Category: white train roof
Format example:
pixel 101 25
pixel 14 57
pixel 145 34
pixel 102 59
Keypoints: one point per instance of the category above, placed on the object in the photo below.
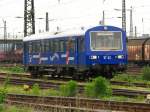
pixel 49 35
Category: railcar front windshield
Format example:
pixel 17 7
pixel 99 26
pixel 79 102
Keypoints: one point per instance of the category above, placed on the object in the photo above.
pixel 106 40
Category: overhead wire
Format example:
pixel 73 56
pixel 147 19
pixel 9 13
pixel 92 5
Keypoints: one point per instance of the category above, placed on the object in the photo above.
pixel 60 4
pixel 6 3
pixel 58 19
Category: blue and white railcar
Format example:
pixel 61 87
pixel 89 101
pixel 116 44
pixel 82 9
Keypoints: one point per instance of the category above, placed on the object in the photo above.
pixel 97 50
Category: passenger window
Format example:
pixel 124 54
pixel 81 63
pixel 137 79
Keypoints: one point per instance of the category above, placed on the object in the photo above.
pixel 51 45
pixel 30 47
pixel 61 49
pixel 71 45
pixel 38 46
pixel 56 46
pixel 35 47
pixel 46 46
pixel 42 46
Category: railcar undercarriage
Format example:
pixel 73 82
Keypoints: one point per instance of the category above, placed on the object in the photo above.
pixel 78 73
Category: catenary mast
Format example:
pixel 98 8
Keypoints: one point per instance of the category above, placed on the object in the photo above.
pixel 29 17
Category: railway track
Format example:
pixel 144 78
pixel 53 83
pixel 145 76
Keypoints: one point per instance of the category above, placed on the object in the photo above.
pixel 27 76
pixel 123 83
pixel 72 103
pixel 15 75
pixel 131 69
pixel 56 85
pixel 130 93
pixel 134 70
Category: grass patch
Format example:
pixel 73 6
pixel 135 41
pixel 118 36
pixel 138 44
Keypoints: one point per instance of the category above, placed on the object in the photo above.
pixel 130 88
pixel 146 73
pixel 15 69
pixel 98 88
pixel 130 79
pixel 3 90
pixel 6 108
pixel 36 89
pixel 138 99
pixel 143 78
pixel 53 92
pixel 127 78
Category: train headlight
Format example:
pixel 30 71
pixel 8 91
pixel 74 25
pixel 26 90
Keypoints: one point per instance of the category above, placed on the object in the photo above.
pixel 120 56
pixel 93 57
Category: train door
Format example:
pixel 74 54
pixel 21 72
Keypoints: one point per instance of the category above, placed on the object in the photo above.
pixel 28 53
pixel 81 50
pixel 57 54
pixel 71 51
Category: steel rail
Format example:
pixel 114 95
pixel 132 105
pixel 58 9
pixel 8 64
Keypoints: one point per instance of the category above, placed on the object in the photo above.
pixel 79 103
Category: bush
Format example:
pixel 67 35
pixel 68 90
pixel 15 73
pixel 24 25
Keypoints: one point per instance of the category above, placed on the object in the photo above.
pixel 69 90
pixel 36 89
pixel 146 73
pixel 99 87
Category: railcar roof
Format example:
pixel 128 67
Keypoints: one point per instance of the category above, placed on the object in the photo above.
pixel 137 41
pixel 49 35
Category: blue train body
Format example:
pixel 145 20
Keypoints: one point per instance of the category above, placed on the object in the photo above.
pixel 97 50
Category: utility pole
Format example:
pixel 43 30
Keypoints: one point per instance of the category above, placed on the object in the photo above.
pixel 103 17
pixel 5 36
pixel 143 24
pixel 135 32
pixel 124 15
pixel 47 22
pixel 103 20
pixel 131 23
pixel 29 17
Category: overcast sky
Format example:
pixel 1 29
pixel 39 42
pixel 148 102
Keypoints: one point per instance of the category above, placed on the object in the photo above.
pixel 71 14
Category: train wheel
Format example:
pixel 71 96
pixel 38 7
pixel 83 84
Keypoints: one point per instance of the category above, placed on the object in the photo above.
pixel 34 75
pixel 75 77
pixel 53 74
pixel 109 74
pixel 88 75
pixel 34 72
